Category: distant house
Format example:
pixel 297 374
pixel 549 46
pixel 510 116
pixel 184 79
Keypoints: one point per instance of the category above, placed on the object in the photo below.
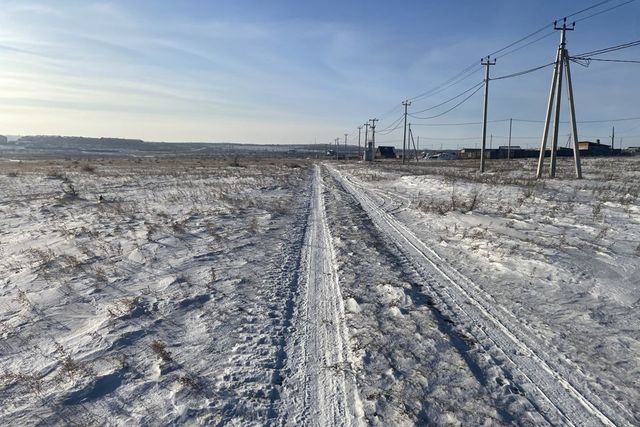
pixel 383 152
pixel 470 153
pixel 588 148
pixel 516 152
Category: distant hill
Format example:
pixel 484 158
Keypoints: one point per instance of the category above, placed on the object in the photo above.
pixel 56 146
pixel 72 143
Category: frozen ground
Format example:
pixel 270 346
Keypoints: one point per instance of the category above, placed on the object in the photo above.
pixel 204 292
pixel 168 301
pixel 542 277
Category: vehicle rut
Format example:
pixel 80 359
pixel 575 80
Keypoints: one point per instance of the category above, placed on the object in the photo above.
pixel 321 389
pixel 554 385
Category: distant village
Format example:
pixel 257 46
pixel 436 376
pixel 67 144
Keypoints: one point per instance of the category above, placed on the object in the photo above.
pixel 587 148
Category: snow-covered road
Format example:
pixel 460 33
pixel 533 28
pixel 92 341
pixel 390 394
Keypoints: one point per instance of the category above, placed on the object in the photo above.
pixel 291 293
pixel 321 390
pixel 556 386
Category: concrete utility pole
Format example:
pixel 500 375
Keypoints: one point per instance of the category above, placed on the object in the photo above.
pixel 415 150
pixel 345 145
pixel 561 64
pixel 509 146
pixel 373 138
pixel 487 63
pixel 404 140
pixel 337 141
pixel 366 139
pixel 613 137
pixel 359 131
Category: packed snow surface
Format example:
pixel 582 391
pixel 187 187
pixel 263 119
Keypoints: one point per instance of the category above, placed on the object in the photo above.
pixel 198 291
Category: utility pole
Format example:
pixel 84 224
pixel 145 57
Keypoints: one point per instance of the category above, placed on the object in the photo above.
pixel 345 146
pixel 359 131
pixel 404 140
pixel 509 146
pixel 487 63
pixel 366 139
pixel 613 137
pixel 561 64
pixel 415 150
pixel 373 138
pixel 337 141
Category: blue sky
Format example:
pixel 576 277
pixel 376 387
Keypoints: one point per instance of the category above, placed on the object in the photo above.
pixel 295 71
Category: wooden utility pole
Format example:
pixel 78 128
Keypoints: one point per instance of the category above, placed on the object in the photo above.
pixel 404 140
pixel 487 63
pixel 561 64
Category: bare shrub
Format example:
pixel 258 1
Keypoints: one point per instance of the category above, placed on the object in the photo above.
pixel 69 191
pixel 88 168
pixel 189 382
pixel 31 382
pixel 44 258
pixel 160 349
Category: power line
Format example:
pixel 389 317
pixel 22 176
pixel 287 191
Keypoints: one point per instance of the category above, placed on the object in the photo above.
pixel 522 121
pixel 608 49
pixel 391 111
pixel 588 60
pixel 520 40
pixel 389 130
pixel 450 109
pixel 458 124
pixel 589 8
pixel 582 121
pixel 474 65
pixel 605 10
pixel 462 75
pixel 526 45
pixel 473 68
pixel 521 73
pixel 449 100
pixel 392 125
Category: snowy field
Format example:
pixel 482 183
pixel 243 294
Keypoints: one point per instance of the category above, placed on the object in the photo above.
pixel 205 292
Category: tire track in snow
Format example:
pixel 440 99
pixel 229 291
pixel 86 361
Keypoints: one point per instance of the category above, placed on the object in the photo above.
pixel 321 389
pixel 551 383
